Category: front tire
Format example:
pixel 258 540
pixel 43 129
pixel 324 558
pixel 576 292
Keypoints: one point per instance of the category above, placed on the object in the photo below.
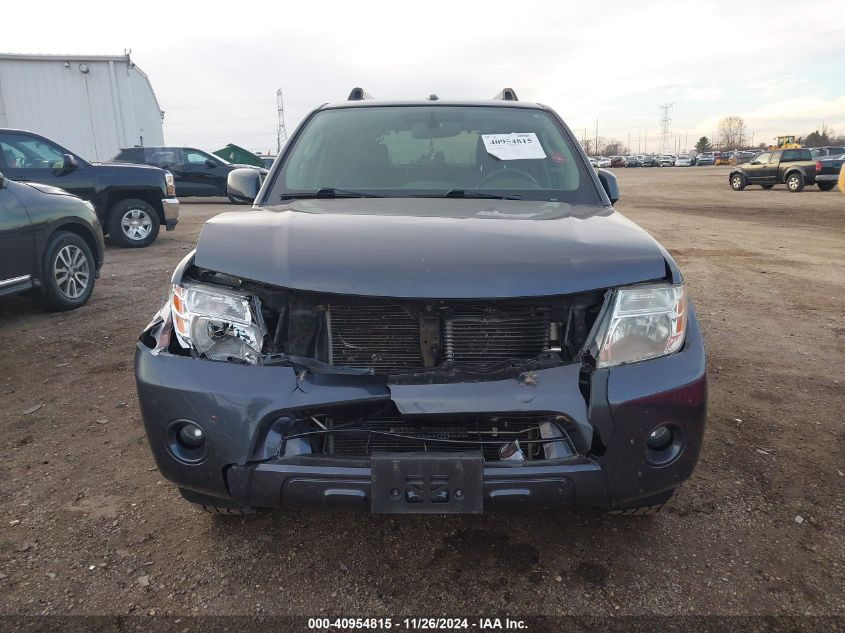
pixel 795 182
pixel 643 507
pixel 67 272
pixel 215 505
pixel 826 186
pixel 133 223
pixel 738 182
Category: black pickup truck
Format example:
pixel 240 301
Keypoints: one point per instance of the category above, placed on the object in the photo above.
pixel 132 201
pixel 793 167
pixel 827 171
pixel 197 173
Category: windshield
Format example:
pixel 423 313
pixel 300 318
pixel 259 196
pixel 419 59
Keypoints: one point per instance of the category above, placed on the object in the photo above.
pixel 432 151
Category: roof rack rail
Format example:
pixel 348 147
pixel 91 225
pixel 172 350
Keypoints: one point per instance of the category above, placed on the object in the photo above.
pixel 507 94
pixel 359 94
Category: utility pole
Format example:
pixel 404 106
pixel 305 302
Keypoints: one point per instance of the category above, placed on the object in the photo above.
pixel 629 140
pixel 645 142
pixel 665 120
pixel 596 146
pixel 281 132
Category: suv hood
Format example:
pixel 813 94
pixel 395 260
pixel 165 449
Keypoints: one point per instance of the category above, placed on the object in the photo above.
pixel 436 248
pixel 48 189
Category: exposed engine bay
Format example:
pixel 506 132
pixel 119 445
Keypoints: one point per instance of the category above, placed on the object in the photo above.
pixel 397 337
pixel 355 431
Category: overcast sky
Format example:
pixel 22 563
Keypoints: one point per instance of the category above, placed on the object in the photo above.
pixel 215 67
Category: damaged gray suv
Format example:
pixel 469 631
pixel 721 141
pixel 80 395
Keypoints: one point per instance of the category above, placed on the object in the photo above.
pixel 432 307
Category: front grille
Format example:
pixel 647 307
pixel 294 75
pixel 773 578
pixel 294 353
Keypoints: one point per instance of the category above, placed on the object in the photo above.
pixel 480 336
pixel 386 338
pixel 382 337
pixel 423 437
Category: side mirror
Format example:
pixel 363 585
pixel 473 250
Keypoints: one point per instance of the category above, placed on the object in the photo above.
pixel 69 162
pixel 210 163
pixel 243 184
pixel 608 181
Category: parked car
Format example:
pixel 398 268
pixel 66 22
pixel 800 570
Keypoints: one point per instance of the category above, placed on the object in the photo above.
pixel 51 243
pixel 745 156
pixel 197 173
pixel 724 158
pixel 602 161
pixel 794 167
pixel 822 152
pixel 648 160
pixel 633 161
pixel 132 201
pixel 617 161
pixel 666 160
pixel 705 158
pixel 593 161
pixel 351 341
pixel 267 160
pixel 828 170
pixel 684 160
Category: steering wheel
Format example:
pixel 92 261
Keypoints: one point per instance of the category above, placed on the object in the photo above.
pixel 518 173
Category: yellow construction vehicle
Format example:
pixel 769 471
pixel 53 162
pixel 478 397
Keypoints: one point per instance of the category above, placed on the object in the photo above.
pixel 786 142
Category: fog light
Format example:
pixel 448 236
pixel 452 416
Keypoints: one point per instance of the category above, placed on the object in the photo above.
pixel 191 436
pixel 660 438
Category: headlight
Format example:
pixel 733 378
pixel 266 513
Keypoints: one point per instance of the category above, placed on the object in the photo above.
pixel 217 323
pixel 645 322
pixel 169 184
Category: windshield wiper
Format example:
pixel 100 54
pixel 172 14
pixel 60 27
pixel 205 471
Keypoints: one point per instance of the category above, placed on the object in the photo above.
pixel 328 192
pixel 466 193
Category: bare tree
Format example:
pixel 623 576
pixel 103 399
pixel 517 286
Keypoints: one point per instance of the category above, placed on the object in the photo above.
pixel 731 133
pixel 614 148
pixel 587 144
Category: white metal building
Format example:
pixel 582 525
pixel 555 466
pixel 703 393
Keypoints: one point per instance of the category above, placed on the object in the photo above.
pixel 91 105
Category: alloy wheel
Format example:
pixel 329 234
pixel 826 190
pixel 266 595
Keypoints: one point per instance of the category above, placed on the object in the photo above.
pixel 71 271
pixel 136 224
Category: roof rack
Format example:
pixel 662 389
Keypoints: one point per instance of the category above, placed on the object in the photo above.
pixel 507 94
pixel 359 94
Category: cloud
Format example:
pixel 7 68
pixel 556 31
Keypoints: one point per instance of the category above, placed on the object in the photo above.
pixel 709 93
pixel 612 61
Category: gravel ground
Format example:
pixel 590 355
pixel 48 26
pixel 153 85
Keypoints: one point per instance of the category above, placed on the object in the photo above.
pixel 89 526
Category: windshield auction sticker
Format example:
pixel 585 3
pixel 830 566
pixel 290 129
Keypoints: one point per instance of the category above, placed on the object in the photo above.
pixel 513 146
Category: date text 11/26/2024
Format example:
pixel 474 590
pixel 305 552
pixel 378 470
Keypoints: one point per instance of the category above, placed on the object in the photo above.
pixel 417 624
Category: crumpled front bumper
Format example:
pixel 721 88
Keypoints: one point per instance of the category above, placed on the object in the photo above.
pixel 239 408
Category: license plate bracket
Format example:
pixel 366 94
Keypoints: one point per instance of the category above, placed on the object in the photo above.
pixel 427 483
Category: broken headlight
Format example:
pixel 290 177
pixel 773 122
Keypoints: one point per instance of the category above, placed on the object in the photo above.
pixel 218 324
pixel 645 322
